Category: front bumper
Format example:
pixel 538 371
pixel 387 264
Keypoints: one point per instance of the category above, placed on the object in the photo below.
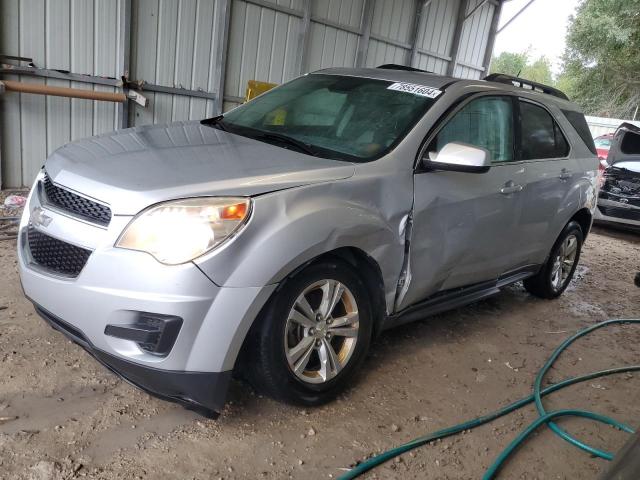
pixel 201 391
pixel 117 287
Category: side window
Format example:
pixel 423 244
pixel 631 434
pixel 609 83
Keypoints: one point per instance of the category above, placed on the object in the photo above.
pixel 486 122
pixel 541 135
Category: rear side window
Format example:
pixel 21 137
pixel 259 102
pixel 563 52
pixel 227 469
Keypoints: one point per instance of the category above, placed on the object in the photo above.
pixel 541 136
pixel 577 120
pixel 486 122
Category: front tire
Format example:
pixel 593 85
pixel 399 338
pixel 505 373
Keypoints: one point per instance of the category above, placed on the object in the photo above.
pixel 557 272
pixel 312 336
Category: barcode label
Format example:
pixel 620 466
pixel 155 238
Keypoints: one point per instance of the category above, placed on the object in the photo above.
pixel 414 89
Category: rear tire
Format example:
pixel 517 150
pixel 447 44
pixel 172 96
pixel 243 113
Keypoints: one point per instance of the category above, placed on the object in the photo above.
pixel 556 274
pixel 312 336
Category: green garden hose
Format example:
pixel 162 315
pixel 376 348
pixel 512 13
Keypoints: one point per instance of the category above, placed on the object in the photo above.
pixel 536 397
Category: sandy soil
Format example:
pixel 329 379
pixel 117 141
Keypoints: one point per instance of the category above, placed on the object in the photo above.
pixel 75 419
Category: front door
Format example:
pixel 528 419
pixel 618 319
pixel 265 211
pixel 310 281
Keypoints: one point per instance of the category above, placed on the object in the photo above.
pixel 465 224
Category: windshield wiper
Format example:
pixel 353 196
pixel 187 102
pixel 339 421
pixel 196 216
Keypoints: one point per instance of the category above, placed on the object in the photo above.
pixel 215 122
pixel 303 147
pixel 261 134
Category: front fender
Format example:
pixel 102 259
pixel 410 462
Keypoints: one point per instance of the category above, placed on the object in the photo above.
pixel 291 227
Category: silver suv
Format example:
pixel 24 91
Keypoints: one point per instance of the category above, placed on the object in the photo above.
pixel 278 240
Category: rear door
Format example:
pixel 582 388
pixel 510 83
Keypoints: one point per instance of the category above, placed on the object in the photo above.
pixel 551 173
pixel 464 223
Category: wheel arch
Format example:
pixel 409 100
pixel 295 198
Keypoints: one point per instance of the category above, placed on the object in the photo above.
pixel 584 219
pixel 369 272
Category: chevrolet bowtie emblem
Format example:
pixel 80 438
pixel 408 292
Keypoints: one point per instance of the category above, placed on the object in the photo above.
pixel 39 218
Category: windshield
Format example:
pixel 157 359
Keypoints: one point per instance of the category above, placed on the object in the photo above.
pixel 331 116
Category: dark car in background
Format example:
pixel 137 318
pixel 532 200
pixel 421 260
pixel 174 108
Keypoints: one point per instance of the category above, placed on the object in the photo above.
pixel 619 197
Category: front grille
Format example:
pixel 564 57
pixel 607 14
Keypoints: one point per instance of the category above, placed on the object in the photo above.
pixel 618 212
pixel 56 255
pixel 76 204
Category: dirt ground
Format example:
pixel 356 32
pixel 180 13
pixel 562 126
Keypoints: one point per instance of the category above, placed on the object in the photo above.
pixel 75 419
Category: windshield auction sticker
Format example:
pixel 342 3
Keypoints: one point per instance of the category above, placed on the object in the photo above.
pixel 415 89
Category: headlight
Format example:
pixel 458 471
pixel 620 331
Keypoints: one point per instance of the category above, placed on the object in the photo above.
pixel 178 231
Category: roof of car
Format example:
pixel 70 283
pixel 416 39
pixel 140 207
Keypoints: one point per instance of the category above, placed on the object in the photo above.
pixel 439 81
pixel 417 77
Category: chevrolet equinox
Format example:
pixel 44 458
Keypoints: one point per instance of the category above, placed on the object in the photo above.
pixel 278 240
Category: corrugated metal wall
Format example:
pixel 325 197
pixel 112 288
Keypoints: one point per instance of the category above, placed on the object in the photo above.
pixel 75 35
pixel 173 43
pixel 331 46
pixel 473 40
pixel 179 43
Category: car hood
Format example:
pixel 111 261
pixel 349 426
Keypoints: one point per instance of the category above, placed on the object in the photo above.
pixel 625 146
pixel 133 168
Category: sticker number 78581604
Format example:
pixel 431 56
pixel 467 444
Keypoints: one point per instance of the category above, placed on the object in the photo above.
pixel 414 89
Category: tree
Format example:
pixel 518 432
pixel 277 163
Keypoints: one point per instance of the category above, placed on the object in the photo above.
pixel 539 71
pixel 509 63
pixel 601 62
pixel 520 65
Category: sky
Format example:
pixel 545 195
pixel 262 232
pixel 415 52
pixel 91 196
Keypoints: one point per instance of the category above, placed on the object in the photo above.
pixel 542 27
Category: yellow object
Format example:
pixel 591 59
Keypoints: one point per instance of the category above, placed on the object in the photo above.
pixel 276 117
pixel 255 88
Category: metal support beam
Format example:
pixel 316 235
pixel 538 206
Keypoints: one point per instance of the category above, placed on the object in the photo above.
pixel 222 19
pixel 112 82
pixel 418 9
pixel 304 32
pixel 476 8
pixel 124 53
pixel 276 7
pixel 491 40
pixel 59 74
pixel 336 25
pixel 365 32
pixel 516 15
pixel 457 33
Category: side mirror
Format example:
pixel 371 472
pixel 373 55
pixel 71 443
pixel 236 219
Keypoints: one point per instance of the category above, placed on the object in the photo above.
pixel 459 157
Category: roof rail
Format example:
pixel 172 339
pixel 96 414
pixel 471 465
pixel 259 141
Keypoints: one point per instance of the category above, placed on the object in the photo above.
pixel 395 66
pixel 525 84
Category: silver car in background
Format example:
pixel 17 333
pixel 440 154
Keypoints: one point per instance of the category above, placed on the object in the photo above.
pixel 275 242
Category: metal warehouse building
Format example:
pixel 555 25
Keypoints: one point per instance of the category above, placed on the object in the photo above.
pixel 196 56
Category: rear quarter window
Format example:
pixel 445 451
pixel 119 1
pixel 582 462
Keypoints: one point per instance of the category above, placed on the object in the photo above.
pixel 579 123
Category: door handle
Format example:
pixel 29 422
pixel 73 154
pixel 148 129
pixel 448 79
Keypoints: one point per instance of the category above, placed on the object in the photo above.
pixel 564 174
pixel 510 188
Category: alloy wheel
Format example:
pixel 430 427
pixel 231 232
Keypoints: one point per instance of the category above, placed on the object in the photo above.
pixel 564 262
pixel 321 331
